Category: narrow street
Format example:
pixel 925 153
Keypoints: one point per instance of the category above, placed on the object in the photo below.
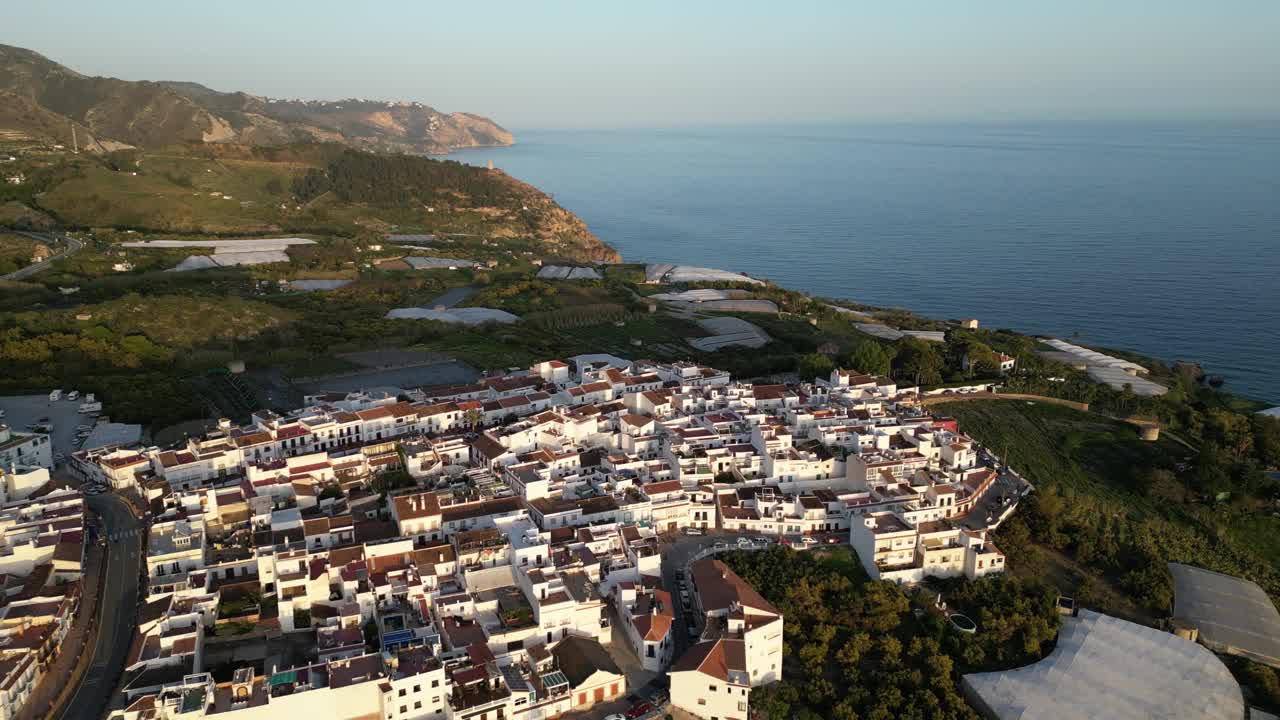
pixel 117 611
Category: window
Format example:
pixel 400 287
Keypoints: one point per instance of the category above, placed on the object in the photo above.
pixel 435 683
pixel 712 688
pixel 403 709
pixel 402 692
pixel 702 701
pixel 417 705
pixel 417 688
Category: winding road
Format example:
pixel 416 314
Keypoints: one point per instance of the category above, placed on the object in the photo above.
pixel 117 610
pixel 72 246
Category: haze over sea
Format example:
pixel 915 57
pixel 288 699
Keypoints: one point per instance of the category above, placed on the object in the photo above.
pixel 1163 239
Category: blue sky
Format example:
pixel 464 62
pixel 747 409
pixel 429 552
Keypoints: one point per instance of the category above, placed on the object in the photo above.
pixel 657 63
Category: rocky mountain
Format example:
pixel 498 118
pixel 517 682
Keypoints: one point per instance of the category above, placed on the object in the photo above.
pixel 44 99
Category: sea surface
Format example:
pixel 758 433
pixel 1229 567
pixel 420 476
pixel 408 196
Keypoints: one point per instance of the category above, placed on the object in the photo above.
pixel 1163 239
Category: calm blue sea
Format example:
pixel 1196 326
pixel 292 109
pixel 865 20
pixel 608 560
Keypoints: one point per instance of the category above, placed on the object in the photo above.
pixel 1162 239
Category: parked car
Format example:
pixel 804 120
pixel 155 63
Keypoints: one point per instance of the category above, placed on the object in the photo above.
pixel 806 540
pixel 760 540
pixel 692 531
pixel 833 539
pixel 640 710
pixel 73 395
pixel 744 542
pixel 615 716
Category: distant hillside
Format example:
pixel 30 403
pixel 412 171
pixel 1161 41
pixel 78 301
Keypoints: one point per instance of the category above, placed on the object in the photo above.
pixel 43 99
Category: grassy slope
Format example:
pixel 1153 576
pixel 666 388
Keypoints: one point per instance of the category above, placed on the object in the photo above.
pixel 1054 446
pixel 173 193
pixel 1077 453
pixel 174 321
pixel 15 252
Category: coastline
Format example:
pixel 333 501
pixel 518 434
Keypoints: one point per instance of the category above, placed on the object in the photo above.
pixel 1260 405
pixel 923 218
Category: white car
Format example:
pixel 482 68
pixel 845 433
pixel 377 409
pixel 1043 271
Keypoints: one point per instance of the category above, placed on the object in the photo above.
pixel 806 540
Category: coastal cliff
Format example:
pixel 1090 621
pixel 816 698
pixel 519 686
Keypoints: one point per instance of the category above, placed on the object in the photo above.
pixel 563 233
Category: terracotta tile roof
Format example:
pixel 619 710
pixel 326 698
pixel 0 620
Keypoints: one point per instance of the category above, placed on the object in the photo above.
pixel 377 413
pixel 719 587
pixel 419 505
pixel 715 658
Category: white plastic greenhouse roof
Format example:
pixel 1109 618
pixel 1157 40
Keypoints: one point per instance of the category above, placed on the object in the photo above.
pixel 1105 667
pixel 1232 615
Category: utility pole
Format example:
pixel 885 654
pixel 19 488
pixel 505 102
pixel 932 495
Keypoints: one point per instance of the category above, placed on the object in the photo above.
pixel 75 142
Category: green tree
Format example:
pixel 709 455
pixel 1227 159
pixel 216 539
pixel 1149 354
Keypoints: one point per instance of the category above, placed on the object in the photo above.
pixel 918 361
pixel 814 365
pixel 870 357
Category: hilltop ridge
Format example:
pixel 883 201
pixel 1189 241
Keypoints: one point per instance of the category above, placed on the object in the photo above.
pixel 45 100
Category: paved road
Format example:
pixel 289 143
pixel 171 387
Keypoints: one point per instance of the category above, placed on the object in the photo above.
pixel 117 610
pixel 52 240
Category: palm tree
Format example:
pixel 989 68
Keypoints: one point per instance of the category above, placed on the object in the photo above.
pixel 473 417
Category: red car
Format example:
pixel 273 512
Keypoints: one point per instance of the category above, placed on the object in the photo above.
pixel 639 710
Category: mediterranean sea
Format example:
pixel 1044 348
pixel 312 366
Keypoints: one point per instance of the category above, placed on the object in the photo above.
pixel 1162 239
